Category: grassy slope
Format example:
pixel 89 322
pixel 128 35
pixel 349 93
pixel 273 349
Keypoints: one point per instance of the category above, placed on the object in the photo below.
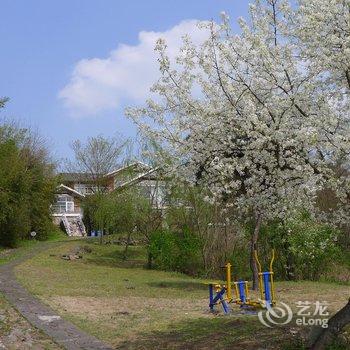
pixel 25 246
pixel 15 331
pixel 134 308
pixel 8 254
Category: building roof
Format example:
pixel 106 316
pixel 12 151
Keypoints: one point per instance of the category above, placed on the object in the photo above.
pixel 79 177
pixel 142 172
pixel 138 166
pixel 65 189
pixel 76 177
pixel 136 179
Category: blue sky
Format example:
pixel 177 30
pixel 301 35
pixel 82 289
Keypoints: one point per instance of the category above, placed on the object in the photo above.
pixel 71 66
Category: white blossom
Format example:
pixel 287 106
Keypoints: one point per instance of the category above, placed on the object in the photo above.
pixel 259 118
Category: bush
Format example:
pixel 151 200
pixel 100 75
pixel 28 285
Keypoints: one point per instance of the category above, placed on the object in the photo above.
pixel 163 250
pixel 13 192
pixel 189 257
pixel 239 260
pixel 27 186
pixel 176 251
pixel 304 247
pixel 313 247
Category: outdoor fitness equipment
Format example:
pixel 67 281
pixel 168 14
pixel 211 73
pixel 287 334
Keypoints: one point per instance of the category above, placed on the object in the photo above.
pixel 222 293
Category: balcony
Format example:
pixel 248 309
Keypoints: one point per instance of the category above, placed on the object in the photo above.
pixel 64 208
pixel 89 189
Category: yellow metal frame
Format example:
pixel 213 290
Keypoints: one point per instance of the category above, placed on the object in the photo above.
pixel 273 300
pixel 237 300
pixel 259 274
pixel 228 281
pixel 229 285
pixel 272 278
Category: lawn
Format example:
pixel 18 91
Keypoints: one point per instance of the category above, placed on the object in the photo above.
pixel 26 246
pixel 130 307
pixel 8 254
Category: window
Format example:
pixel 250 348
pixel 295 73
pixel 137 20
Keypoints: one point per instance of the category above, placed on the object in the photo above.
pixel 154 191
pixel 86 188
pixel 64 204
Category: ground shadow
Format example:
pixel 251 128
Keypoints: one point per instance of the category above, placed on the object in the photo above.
pixel 115 258
pixel 182 285
pixel 219 333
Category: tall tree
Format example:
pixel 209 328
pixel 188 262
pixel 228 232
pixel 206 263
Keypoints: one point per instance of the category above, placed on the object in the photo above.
pixel 323 33
pixel 252 117
pixel 97 157
pixel 27 186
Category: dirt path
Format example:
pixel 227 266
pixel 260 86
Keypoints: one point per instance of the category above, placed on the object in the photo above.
pixel 41 316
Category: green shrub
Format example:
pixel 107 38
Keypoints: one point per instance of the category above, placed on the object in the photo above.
pixel 176 251
pixel 164 250
pixel 304 247
pixel 189 257
pixel 27 186
pixel 313 247
pixel 14 188
pixel 239 260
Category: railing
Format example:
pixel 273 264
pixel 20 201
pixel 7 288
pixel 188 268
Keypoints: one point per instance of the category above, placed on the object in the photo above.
pixel 66 225
pixel 89 189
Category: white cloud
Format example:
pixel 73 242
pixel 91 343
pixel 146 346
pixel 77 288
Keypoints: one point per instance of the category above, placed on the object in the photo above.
pixel 100 84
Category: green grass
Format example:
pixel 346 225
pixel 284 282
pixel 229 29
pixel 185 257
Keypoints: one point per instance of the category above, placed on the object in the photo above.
pixel 105 274
pixel 8 254
pixel 25 246
pixel 131 307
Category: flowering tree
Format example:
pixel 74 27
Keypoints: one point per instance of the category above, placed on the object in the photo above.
pixel 258 117
pixel 324 39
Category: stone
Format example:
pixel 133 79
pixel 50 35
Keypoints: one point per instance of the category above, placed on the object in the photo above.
pixel 47 318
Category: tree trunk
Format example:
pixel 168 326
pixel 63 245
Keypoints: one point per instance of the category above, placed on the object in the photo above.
pixel 125 254
pixel 335 325
pixel 149 260
pixel 290 267
pixel 101 236
pixel 290 275
pixel 253 242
